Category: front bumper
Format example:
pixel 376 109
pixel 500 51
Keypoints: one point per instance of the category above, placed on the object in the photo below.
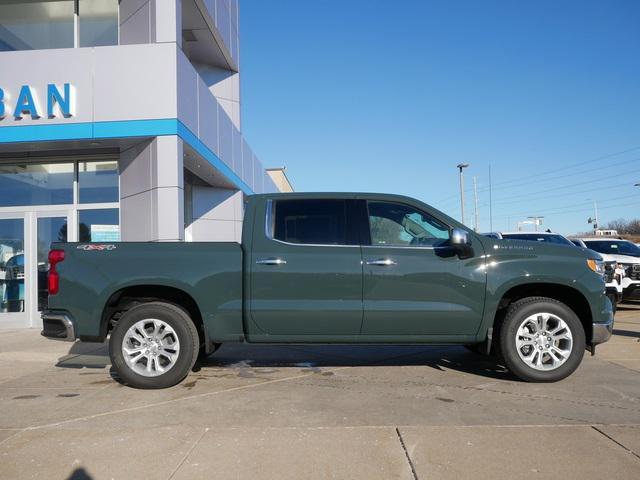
pixel 601 332
pixel 612 292
pixel 631 289
pixel 58 325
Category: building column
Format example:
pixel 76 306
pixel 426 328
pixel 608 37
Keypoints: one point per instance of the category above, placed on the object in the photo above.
pixel 150 21
pixel 217 214
pixel 152 191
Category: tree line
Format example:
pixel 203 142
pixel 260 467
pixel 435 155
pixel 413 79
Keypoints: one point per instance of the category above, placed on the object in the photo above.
pixel 625 227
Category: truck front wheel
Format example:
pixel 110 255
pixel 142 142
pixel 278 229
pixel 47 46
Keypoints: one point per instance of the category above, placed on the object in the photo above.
pixel 541 339
pixel 153 345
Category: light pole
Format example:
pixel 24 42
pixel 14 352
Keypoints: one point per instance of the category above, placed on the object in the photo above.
pixel 475 199
pixel 594 220
pixel 462 166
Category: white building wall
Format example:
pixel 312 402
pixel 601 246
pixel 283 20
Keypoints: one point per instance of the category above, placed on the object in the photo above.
pixel 152 191
pixel 148 77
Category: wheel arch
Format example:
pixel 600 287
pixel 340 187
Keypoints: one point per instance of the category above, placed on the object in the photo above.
pixel 570 296
pixel 127 297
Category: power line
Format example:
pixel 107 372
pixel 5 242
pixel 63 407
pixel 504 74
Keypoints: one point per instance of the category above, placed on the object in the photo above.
pixel 485 189
pixel 539 193
pixel 564 208
pixel 567 167
pixel 573 165
pixel 572 174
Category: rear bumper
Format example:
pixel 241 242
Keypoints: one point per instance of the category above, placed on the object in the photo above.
pixel 58 325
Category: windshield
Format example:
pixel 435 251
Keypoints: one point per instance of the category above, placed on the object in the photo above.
pixel 615 247
pixel 536 237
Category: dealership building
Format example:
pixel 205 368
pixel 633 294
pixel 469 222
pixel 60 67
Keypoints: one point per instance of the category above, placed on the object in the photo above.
pixel 119 120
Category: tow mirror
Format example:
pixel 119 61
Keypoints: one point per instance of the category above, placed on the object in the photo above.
pixel 461 242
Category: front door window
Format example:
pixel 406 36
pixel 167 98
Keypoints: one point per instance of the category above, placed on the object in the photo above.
pixel 394 224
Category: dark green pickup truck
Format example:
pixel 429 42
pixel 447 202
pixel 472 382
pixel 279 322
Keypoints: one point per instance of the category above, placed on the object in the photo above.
pixel 330 268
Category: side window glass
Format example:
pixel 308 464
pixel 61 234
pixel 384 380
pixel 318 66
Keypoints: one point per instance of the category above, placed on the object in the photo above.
pixel 400 225
pixel 319 222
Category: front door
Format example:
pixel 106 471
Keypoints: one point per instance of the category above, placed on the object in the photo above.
pixel 306 272
pixel 413 283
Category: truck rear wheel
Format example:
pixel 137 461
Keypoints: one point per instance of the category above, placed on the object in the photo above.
pixel 153 345
pixel 541 340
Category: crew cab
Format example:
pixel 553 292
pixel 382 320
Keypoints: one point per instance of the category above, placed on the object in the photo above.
pixel 330 268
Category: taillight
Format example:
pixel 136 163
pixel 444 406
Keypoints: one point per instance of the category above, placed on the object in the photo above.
pixel 55 257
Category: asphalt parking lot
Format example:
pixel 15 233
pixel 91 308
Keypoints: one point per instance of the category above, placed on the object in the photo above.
pixel 319 412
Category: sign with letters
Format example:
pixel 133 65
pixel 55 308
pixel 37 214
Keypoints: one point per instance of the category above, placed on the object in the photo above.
pixel 105 233
pixel 54 101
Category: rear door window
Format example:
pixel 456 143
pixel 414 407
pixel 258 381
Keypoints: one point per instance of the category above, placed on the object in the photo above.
pixel 312 222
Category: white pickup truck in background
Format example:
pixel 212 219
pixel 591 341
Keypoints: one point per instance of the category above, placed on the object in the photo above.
pixel 626 256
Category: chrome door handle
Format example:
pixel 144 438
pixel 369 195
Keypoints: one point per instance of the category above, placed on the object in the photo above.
pixel 382 262
pixel 271 261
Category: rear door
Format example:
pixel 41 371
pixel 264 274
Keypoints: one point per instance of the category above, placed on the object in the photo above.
pixel 306 271
pixel 413 283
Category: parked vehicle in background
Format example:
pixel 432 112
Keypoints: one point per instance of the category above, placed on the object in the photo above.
pixel 606 233
pixel 613 280
pixel 626 256
pixel 330 268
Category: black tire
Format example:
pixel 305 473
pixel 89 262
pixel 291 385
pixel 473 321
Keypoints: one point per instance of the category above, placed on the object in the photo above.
pixel 183 327
pixel 516 314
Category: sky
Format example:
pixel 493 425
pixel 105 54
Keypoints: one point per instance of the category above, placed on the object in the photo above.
pixel 389 96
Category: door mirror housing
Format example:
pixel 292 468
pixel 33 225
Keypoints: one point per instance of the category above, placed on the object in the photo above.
pixel 461 243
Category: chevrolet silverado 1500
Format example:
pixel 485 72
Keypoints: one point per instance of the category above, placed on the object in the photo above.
pixel 330 268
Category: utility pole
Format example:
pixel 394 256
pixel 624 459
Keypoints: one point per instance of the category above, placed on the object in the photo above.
pixel 596 225
pixel 462 166
pixel 490 202
pixel 475 195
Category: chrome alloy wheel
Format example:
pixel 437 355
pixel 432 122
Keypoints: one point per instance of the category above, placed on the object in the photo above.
pixel 150 347
pixel 544 341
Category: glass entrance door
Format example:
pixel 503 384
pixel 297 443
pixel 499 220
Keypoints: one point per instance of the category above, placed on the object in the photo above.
pixel 25 241
pixel 49 230
pixel 13 305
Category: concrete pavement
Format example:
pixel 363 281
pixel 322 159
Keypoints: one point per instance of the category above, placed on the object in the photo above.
pixel 319 412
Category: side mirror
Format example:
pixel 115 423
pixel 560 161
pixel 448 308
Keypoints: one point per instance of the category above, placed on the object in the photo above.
pixel 461 242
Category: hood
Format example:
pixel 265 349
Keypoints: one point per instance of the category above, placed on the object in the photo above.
pixel 520 247
pixel 627 259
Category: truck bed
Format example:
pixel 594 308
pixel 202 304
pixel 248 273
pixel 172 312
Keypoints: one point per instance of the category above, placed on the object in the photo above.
pixel 93 275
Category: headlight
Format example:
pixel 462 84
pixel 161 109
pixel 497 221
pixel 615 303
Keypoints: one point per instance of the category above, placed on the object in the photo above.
pixel 596 265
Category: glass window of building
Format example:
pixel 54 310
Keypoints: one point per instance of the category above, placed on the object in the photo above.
pixel 99 225
pixel 11 265
pixel 98 181
pixel 36 184
pixel 50 230
pixel 98 22
pixel 34 25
